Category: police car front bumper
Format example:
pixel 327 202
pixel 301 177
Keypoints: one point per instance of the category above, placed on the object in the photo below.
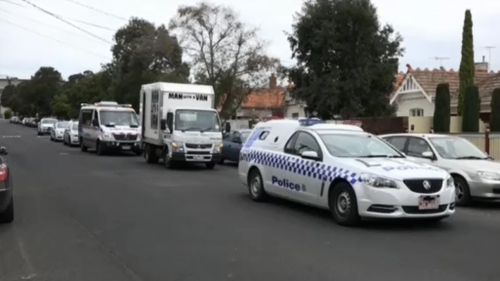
pixel 403 203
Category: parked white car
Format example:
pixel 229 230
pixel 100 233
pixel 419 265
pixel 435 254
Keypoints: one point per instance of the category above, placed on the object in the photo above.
pixel 71 136
pixel 46 125
pixel 57 133
pixel 475 174
pixel 341 168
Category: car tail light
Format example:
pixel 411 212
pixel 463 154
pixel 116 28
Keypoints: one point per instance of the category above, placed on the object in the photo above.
pixel 4 173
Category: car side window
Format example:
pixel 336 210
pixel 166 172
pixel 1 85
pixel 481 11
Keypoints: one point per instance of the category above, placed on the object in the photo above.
pixel 417 146
pixel 398 142
pixel 289 147
pixel 306 142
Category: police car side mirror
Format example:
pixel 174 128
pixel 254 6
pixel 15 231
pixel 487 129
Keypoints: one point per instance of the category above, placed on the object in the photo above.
pixel 312 155
pixel 429 155
pixel 3 150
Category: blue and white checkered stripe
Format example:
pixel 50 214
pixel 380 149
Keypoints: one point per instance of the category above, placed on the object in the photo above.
pixel 299 166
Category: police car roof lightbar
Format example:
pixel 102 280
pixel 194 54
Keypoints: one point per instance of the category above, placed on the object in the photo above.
pixel 310 121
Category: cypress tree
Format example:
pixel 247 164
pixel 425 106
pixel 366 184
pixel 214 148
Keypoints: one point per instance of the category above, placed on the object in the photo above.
pixel 467 61
pixel 470 121
pixel 441 121
pixel 495 111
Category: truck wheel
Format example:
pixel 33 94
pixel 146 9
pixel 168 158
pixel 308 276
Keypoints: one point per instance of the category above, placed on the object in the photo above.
pixel 8 215
pixel 150 154
pixel 462 192
pixel 99 148
pixel 168 162
pixel 210 165
pixel 83 148
pixel 343 204
pixel 256 186
pixel 221 161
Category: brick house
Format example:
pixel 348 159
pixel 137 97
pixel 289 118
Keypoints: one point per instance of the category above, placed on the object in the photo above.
pixel 415 90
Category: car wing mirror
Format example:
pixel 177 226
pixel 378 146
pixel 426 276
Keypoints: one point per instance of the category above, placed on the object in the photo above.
pixel 95 123
pixel 312 155
pixel 236 140
pixel 428 155
pixel 3 150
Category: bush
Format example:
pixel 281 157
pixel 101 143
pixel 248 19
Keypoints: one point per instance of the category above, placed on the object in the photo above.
pixel 470 120
pixel 441 121
pixel 495 111
pixel 7 114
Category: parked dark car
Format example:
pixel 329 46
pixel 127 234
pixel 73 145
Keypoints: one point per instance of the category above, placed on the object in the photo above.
pixel 232 145
pixel 6 198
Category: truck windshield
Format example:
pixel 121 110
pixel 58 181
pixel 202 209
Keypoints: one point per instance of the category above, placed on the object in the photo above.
pixel 197 120
pixel 118 118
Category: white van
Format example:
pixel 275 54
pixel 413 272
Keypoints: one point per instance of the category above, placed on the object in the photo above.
pixel 108 126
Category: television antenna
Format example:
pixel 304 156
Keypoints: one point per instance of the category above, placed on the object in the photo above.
pixel 440 60
pixel 489 48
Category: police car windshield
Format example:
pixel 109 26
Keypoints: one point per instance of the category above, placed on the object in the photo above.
pixel 358 145
pixel 118 118
pixel 196 120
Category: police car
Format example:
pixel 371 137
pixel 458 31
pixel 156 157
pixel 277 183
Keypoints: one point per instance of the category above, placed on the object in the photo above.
pixel 342 168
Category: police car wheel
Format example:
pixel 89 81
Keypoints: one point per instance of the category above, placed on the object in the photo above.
pixel 462 192
pixel 255 186
pixel 343 204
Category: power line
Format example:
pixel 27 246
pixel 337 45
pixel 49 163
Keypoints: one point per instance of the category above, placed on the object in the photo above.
pixel 52 38
pixel 92 24
pixel 13 3
pixel 67 22
pixel 97 10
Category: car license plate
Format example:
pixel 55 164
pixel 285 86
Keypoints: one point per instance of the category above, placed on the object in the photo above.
pixel 126 147
pixel 198 157
pixel 428 202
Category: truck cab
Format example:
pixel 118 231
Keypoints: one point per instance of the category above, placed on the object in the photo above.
pixel 180 124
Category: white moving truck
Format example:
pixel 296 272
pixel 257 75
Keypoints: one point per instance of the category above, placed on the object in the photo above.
pixel 180 124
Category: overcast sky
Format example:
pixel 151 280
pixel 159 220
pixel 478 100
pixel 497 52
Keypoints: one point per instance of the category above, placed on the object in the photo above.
pixel 30 38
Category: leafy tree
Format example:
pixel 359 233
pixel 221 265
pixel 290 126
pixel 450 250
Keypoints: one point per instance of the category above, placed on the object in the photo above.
pixel 7 114
pixel 7 97
pixel 224 52
pixel 495 111
pixel 61 107
pixel 41 89
pixel 441 121
pixel 470 117
pixel 467 62
pixel 346 61
pixel 142 54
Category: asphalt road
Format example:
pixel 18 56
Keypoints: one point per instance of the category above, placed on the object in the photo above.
pixel 84 217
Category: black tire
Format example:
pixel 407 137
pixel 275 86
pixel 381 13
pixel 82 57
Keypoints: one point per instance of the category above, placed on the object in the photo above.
pixel 210 165
pixel 256 186
pixel 99 149
pixel 8 215
pixel 462 191
pixel 221 161
pixel 83 148
pixel 343 204
pixel 150 155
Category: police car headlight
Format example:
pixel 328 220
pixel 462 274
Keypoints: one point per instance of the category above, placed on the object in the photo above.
pixel 450 183
pixel 489 176
pixel 378 182
pixel 177 146
pixel 107 137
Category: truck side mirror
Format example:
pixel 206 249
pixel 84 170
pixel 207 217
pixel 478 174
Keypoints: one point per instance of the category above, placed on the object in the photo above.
pixel 170 121
pixel 95 123
pixel 163 124
pixel 3 150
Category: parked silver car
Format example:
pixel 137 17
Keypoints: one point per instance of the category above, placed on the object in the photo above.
pixel 57 133
pixel 475 174
pixel 71 136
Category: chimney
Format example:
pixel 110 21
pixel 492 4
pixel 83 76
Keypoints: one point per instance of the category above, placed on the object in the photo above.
pixel 273 82
pixel 410 69
pixel 482 66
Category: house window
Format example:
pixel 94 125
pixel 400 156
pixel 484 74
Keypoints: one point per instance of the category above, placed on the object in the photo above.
pixel 416 112
pixel 295 115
